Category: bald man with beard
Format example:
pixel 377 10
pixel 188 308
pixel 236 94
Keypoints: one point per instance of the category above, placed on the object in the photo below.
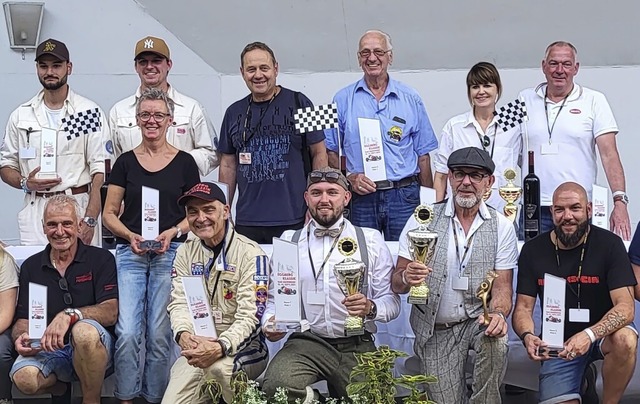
pixel 599 304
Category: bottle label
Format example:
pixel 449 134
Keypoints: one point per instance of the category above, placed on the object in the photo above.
pixel 530 210
pixel 531 225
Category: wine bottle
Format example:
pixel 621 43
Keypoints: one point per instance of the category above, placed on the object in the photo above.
pixel 108 240
pixel 531 185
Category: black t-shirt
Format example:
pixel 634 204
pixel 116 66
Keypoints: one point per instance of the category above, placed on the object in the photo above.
pixel 270 188
pixel 91 279
pixel 605 267
pixel 172 181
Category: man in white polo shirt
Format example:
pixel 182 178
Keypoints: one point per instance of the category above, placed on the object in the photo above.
pixel 566 123
pixel 190 130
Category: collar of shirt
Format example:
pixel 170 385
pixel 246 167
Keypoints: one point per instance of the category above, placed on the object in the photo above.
pixel 472 121
pixel 541 91
pixel 314 225
pixel 37 101
pixel 483 212
pixel 79 257
pixel 391 88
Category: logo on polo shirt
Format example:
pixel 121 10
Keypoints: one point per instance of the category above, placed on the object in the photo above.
pixel 575 111
pixel 88 277
pixel 197 268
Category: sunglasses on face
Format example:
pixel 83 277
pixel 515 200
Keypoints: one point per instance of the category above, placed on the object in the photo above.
pixel 317 176
pixel 64 286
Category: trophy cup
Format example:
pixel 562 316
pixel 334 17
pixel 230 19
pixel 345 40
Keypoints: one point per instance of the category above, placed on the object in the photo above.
pixel 484 293
pixel 349 275
pixel 510 193
pixel 422 244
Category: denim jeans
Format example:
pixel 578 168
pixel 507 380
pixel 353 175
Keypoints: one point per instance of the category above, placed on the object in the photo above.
pixel 144 287
pixel 387 211
pixel 7 356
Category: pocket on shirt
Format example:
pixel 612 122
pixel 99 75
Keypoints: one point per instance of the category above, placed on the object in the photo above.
pixel 129 135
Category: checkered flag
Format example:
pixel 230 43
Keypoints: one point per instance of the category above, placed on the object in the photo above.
pixel 512 114
pixel 82 123
pixel 320 117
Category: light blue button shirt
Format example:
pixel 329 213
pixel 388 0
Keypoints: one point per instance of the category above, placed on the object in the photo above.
pixel 399 108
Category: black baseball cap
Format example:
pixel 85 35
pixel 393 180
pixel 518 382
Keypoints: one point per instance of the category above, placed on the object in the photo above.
pixel 471 157
pixel 207 191
pixel 54 48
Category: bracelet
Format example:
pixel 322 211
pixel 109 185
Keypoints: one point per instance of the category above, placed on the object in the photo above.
pixel 404 280
pixel 524 335
pixel 591 335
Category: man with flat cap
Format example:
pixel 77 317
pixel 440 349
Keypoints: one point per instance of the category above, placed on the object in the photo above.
pixel 190 130
pixel 54 144
pixel 473 239
pixel 324 352
pixel 235 273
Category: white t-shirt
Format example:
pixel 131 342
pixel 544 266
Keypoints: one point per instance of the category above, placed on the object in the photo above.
pixel 54 116
pixel 586 114
pixel 451 308
pixel 462 131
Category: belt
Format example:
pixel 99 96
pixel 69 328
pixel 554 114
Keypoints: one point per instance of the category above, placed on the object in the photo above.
pixel 444 326
pixel 388 184
pixel 367 337
pixel 73 191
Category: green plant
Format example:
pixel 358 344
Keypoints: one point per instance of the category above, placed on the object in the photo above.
pixel 372 378
pixel 412 383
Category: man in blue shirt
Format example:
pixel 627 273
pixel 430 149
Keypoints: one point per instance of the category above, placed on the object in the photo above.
pixel 407 139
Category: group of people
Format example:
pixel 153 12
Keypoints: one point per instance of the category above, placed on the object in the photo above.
pixel 101 309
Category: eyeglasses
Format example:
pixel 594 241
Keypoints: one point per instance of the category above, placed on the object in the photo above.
pixel 330 176
pixel 365 53
pixel 474 177
pixel 64 286
pixel 146 116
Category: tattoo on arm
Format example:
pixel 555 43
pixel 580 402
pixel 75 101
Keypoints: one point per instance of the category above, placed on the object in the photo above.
pixel 611 322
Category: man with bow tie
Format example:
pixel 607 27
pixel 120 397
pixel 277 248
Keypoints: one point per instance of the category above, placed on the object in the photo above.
pixel 323 352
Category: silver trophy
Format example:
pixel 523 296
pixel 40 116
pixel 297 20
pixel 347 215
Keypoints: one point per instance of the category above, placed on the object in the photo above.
pixel 422 245
pixel 350 277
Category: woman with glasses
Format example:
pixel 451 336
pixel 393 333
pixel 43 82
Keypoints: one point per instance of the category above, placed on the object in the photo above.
pixel 479 128
pixel 149 179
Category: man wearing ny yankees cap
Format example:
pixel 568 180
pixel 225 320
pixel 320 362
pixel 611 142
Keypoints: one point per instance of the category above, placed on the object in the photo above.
pixel 190 130
pixel 235 275
pixel 54 144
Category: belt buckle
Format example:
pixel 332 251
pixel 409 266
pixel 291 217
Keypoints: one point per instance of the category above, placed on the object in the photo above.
pixel 384 185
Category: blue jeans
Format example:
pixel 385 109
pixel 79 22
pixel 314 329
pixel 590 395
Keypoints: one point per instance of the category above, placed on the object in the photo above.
pixel 144 287
pixel 60 362
pixel 7 356
pixel 560 380
pixel 387 211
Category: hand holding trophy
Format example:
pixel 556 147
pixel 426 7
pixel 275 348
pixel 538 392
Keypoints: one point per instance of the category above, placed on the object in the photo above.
pixel 484 293
pixel 350 277
pixel 510 193
pixel 422 244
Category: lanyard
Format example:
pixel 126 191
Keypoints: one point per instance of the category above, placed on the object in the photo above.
pixel 546 113
pixel 466 248
pixel 207 270
pixel 247 120
pixel 485 140
pixel 326 258
pixel 584 245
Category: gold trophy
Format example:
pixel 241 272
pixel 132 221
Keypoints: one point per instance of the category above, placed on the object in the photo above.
pixel 422 245
pixel 510 193
pixel 484 293
pixel 349 275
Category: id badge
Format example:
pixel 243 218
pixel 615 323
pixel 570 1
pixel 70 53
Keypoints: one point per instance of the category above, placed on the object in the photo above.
pixel 460 283
pixel 245 158
pixel 217 316
pixel 579 315
pixel 547 148
pixel 27 153
pixel 315 298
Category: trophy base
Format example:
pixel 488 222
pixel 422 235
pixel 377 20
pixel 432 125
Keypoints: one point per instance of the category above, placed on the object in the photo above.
pixel 352 332
pixel 47 175
pixel 353 326
pixel 417 300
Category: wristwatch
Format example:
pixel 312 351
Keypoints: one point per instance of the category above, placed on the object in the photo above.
pixel 621 196
pixel 75 314
pixel 91 222
pixel 225 349
pixel 373 312
pixel 23 185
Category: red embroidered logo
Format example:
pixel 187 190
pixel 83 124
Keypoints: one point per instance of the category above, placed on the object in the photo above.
pixel 204 188
pixel 181 131
pixel 109 287
pixel 88 277
pixel 575 111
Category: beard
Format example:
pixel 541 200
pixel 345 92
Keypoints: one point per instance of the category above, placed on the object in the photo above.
pixel 54 86
pixel 571 239
pixel 467 202
pixel 326 220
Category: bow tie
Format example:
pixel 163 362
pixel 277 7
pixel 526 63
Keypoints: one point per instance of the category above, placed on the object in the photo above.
pixel 333 233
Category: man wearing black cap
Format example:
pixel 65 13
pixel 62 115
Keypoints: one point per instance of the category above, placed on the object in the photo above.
pixel 235 272
pixel 473 239
pixel 323 352
pixel 190 131
pixel 72 164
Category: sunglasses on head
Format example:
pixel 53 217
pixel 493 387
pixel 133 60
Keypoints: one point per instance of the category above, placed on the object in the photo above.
pixel 330 176
pixel 64 286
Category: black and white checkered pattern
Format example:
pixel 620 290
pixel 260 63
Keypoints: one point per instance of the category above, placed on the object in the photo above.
pixel 319 117
pixel 82 123
pixel 512 114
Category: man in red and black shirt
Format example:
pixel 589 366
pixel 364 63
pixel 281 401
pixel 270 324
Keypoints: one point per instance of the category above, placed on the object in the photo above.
pixel 82 308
